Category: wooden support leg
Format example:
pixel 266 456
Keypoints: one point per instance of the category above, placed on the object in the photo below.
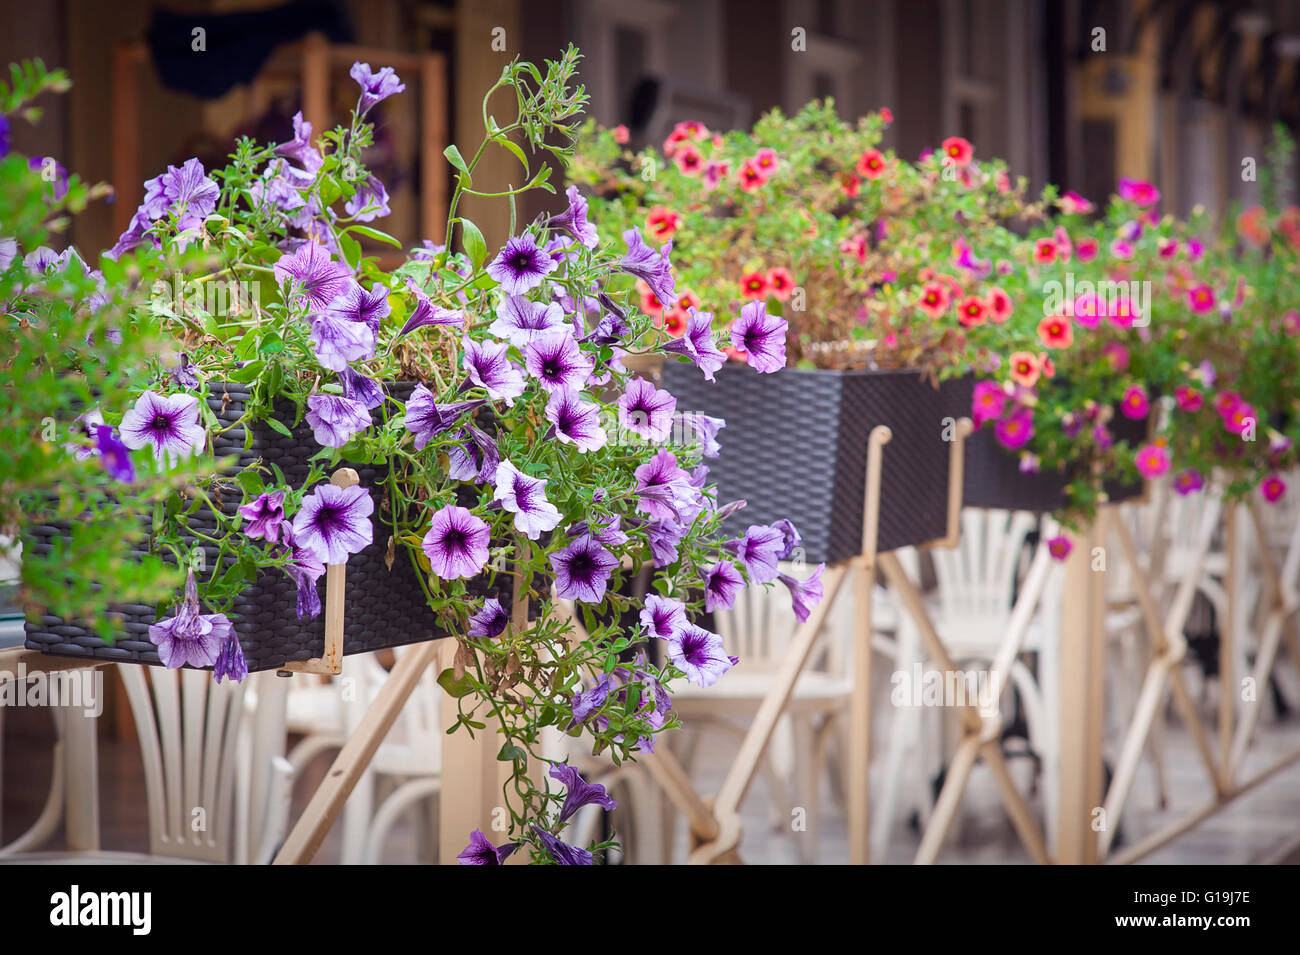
pixel 1080 724
pixel 355 756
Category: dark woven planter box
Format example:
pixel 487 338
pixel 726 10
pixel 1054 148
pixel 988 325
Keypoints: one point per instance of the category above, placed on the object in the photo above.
pixel 992 473
pixel 383 608
pixel 795 446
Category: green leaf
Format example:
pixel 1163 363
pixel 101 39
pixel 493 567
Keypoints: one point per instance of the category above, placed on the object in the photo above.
pixel 454 157
pixel 475 246
pixel 250 481
pixel 453 687
pixel 351 249
pixel 509 751
pixel 280 427
pixel 374 234
pixel 513 146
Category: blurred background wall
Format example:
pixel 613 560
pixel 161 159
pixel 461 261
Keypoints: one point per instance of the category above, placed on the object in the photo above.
pixel 1076 92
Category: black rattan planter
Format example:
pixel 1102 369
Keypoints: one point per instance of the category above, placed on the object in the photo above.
pixel 383 608
pixel 795 446
pixel 992 474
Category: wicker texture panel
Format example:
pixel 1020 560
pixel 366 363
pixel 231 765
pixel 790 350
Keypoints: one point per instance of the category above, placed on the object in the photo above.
pixel 383 608
pixel 795 446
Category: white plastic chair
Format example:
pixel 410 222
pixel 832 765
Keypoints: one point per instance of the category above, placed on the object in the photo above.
pixel 217 785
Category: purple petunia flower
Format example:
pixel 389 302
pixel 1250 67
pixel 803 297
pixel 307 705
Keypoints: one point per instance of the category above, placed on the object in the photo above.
pixel 661 487
pixel 611 536
pixel 337 341
pixel 264 515
pixel 114 455
pixel 582 570
pixel 702 430
pixel 490 621
pixel 646 410
pixel 664 538
pixel 663 617
pixel 521 265
pixel 190 637
pixel 556 361
pixel 188 191
pixel 335 419
pixel 184 374
pixel 488 452
pixel 313 273
pixel 759 551
pixel 334 522
pixel 355 304
pixel 721 585
pixel 588 701
pixel 576 422
pixel 574 219
pixel 300 148
pixel 562 852
pixel 520 320
pixel 231 663
pixel 805 594
pixel 375 87
pixel 426 419
pixel 698 345
pixel 790 538
pixel 168 423
pixel 699 654
pixel 369 202
pixel 650 266
pixel 525 497
pixel 490 369
pixel 426 313
pixel 481 852
pixel 579 792
pixel 304 569
pixel 456 543
pixel 364 391
pixel 761 337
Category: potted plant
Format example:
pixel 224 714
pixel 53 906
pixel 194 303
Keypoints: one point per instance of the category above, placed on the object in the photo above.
pixel 806 221
pixel 511 467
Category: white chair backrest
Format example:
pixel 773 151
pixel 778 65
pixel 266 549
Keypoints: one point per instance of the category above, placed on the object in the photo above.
pixel 761 624
pixel 977 578
pixel 193 741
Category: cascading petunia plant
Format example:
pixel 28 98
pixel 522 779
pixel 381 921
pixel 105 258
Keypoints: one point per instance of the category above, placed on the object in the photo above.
pixel 517 446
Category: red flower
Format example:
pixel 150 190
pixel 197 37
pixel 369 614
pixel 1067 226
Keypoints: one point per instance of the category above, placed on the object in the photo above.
pixel 958 151
pixel 972 311
pixel 650 303
pixel 780 282
pixel 850 184
pixel 1045 251
pixel 1056 331
pixel 751 176
pixel 689 160
pixel 871 164
pixel 621 135
pixel 1024 369
pixel 886 114
pixel 999 303
pixel 663 223
pixel 934 299
pixel 753 285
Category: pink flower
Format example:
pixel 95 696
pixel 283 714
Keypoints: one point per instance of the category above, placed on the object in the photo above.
pixel 1117 354
pixel 1059 547
pixel 1138 192
pixel 1189 399
pixel 1188 481
pixel 1135 403
pixel 1273 488
pixel 1015 430
pixel 1152 460
pixel 1200 298
pixel 620 134
pixel 988 402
